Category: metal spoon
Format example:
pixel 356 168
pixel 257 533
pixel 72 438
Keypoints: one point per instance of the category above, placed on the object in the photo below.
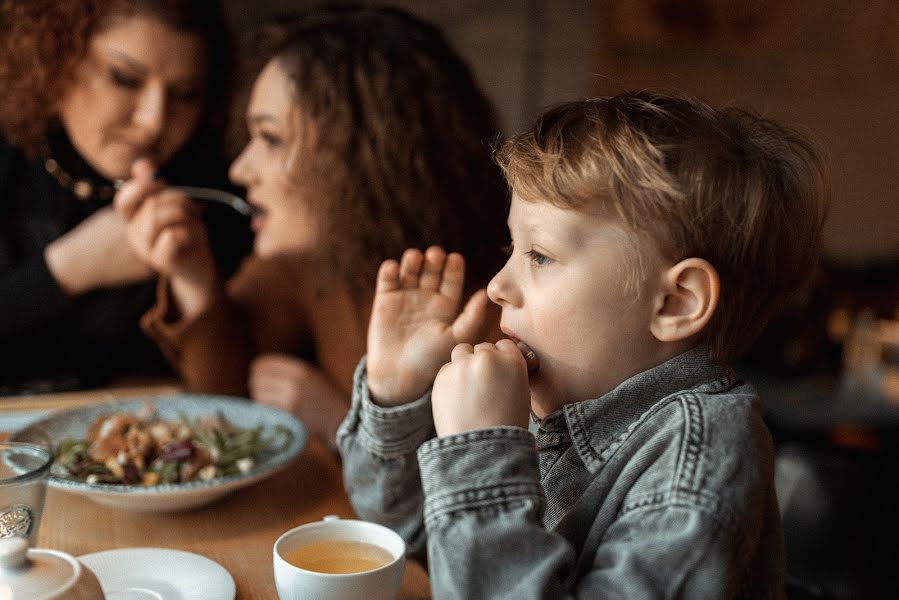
pixel 213 195
pixel 232 200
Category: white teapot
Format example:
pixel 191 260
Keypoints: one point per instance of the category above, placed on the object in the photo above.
pixel 41 574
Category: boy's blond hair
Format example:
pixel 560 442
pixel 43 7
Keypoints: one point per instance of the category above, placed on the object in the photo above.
pixel 741 191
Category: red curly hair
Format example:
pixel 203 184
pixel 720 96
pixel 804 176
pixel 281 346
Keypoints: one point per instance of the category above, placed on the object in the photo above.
pixel 43 41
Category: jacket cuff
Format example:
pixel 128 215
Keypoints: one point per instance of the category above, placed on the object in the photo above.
pixel 479 468
pixel 390 431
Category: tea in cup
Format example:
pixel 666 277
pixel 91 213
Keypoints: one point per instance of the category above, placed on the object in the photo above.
pixel 339 559
pixel 24 470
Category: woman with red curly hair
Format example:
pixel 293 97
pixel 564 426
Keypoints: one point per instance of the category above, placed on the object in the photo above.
pixel 88 87
pixel 368 135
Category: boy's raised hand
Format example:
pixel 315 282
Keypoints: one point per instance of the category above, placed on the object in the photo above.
pixel 415 323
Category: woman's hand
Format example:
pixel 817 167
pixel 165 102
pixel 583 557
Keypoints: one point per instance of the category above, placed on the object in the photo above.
pixel 300 388
pixel 484 386
pixel 415 323
pixel 164 230
pixel 95 254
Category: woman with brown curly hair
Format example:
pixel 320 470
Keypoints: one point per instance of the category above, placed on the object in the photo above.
pixel 368 134
pixel 86 88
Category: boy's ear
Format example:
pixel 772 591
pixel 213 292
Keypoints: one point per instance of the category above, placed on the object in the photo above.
pixel 687 300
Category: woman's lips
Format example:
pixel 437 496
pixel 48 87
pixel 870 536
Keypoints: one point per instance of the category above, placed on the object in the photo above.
pixel 258 222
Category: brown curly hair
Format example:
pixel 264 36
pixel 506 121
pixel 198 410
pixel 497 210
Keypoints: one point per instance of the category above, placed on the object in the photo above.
pixel 402 139
pixel 43 41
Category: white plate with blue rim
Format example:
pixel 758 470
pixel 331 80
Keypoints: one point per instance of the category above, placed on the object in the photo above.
pixel 168 497
pixel 159 574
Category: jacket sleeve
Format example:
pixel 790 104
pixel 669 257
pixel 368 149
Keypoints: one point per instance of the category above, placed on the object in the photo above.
pixel 380 469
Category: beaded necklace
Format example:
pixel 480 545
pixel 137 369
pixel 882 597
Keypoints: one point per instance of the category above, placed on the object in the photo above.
pixel 84 189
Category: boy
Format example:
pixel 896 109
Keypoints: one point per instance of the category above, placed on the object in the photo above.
pixel 653 236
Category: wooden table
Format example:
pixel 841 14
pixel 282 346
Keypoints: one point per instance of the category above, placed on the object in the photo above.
pixel 237 531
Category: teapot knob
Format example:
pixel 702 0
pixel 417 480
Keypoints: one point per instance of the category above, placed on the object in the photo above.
pixel 13 552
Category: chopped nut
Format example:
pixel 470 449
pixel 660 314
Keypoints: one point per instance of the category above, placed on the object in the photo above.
pixel 114 467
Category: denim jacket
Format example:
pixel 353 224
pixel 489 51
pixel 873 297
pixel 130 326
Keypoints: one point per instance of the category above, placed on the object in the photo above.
pixel 661 488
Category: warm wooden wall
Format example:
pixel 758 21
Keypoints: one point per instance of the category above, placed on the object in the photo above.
pixel 829 65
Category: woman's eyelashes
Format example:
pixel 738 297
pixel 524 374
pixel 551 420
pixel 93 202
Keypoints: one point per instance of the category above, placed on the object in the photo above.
pixel 122 79
pixel 265 136
pixel 271 140
pixel 184 94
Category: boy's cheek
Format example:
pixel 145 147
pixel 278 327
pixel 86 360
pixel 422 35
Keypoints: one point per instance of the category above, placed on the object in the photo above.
pixel 547 396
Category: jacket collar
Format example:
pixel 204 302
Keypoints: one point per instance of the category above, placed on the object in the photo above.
pixel 593 426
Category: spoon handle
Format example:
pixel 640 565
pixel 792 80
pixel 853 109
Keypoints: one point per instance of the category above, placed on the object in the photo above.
pixel 212 194
pixel 232 200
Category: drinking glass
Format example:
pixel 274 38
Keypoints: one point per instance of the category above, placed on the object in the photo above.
pixel 24 470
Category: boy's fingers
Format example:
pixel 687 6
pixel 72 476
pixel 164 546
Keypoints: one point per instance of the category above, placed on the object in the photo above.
pixel 388 277
pixel 410 267
pixel 460 350
pixel 470 320
pixel 517 351
pixel 507 345
pixel 453 276
pixel 433 265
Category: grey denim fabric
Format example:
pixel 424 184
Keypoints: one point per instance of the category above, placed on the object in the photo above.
pixel 661 488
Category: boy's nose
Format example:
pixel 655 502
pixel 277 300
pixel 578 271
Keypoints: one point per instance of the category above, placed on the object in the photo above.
pixel 499 289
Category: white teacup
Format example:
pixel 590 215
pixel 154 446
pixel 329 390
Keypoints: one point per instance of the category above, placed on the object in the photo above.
pixel 308 543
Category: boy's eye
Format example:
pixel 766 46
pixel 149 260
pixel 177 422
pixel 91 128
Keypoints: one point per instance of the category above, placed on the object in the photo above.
pixel 124 80
pixel 537 258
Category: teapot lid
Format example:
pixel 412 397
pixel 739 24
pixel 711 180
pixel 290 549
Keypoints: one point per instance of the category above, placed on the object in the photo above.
pixel 36 572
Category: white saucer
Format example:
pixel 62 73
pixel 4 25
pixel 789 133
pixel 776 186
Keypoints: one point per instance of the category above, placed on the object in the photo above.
pixel 159 574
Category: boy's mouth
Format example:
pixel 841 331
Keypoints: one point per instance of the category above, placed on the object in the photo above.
pixel 530 357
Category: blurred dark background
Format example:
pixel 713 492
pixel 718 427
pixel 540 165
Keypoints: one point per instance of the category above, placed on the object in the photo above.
pixel 828 369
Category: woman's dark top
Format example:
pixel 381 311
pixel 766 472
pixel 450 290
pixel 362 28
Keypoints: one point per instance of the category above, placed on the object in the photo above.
pixel 49 341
